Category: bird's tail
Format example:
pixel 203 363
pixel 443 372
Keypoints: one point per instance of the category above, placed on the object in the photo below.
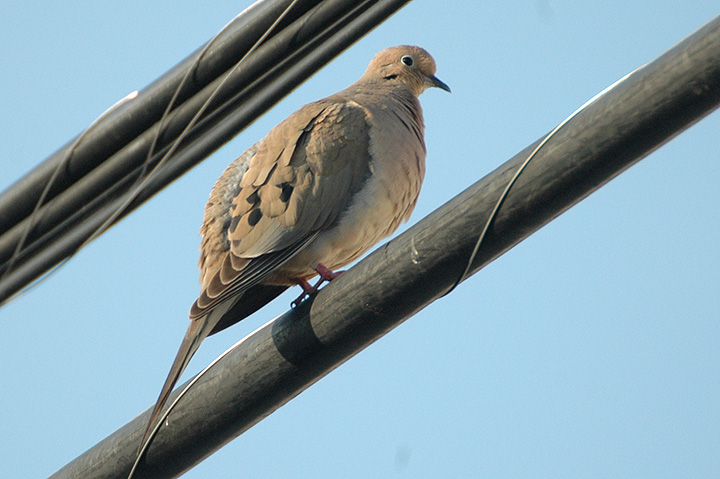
pixel 198 330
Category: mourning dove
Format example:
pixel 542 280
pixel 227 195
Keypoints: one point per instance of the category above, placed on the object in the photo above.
pixel 316 193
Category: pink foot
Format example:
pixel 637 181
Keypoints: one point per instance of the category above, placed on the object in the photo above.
pixel 326 274
pixel 308 289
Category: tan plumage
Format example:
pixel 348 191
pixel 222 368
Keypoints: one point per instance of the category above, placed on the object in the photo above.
pixel 321 188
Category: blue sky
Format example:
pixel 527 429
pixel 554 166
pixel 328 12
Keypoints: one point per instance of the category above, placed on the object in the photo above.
pixel 592 349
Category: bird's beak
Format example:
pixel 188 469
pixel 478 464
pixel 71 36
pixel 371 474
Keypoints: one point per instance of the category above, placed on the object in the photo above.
pixel 436 82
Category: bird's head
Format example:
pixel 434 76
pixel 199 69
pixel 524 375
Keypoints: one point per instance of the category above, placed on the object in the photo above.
pixel 405 64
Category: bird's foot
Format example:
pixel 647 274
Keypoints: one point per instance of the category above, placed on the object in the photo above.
pixel 326 274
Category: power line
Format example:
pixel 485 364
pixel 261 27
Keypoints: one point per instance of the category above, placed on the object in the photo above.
pixel 93 182
pixel 290 353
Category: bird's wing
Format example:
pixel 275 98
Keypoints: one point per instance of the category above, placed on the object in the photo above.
pixel 300 179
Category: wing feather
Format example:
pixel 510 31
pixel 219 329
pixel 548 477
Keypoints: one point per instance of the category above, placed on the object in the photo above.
pixel 299 179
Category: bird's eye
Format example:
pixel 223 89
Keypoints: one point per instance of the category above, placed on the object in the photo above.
pixel 407 60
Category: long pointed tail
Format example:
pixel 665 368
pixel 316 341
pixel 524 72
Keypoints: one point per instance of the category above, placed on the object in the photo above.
pixel 197 331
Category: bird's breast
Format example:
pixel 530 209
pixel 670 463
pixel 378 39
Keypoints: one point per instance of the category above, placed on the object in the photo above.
pixel 385 200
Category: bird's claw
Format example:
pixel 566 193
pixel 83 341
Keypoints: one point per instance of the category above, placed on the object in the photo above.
pixel 326 274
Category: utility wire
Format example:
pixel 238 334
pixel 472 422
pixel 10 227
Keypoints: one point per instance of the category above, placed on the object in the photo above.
pixel 51 223
pixel 292 352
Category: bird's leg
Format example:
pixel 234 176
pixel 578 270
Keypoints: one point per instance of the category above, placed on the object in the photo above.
pixel 326 274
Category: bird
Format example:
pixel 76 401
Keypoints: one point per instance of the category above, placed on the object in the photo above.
pixel 323 187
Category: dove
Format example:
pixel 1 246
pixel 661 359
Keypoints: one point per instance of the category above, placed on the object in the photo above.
pixel 323 187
